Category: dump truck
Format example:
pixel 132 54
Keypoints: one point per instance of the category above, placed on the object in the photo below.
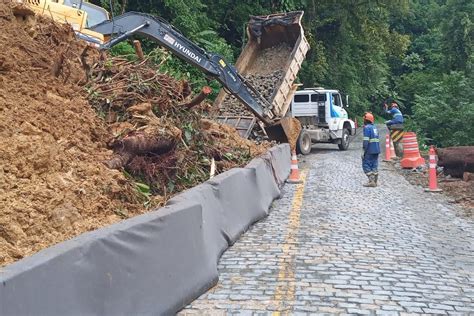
pixel 271 59
pixel 323 118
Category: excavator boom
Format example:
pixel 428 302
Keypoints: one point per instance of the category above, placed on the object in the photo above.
pixel 91 23
pixel 213 65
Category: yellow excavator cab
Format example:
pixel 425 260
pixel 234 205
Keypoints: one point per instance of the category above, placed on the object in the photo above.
pixel 79 14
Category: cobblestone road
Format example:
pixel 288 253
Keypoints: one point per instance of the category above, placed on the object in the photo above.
pixel 331 246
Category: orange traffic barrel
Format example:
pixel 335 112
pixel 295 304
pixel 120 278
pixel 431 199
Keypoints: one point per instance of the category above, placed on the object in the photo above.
pixel 411 153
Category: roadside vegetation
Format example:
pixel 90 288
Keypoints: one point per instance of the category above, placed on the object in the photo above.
pixel 418 52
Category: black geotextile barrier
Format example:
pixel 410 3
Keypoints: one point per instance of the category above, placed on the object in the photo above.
pixel 152 264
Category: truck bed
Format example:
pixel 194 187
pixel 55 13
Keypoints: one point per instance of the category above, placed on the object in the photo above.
pixel 270 61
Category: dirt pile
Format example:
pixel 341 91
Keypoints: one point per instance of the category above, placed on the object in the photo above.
pixel 54 184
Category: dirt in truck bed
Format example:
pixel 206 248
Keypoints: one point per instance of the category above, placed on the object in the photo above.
pixel 264 74
pixel 264 84
pixel 270 59
pixel 62 110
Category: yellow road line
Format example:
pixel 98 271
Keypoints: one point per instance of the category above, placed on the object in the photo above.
pixel 285 291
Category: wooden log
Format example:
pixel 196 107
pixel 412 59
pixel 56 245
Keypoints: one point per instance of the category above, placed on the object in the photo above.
pixel 138 49
pixel 456 160
pixel 139 144
pixel 205 91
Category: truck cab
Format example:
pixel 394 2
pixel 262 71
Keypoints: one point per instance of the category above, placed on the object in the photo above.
pixel 323 118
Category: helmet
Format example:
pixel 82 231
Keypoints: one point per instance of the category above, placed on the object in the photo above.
pixel 369 117
pixel 394 105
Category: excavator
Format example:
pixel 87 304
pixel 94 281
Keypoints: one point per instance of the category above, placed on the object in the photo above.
pixel 92 24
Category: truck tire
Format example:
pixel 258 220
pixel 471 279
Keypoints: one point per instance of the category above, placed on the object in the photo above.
pixel 303 144
pixel 344 140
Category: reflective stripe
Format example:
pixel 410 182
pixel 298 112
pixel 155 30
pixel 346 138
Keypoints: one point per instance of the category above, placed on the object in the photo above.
pixel 294 167
pixel 432 165
pixel 432 157
pixel 366 138
pixel 374 140
pixel 395 115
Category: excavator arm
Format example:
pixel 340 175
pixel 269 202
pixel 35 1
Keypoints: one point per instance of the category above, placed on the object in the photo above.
pixel 213 65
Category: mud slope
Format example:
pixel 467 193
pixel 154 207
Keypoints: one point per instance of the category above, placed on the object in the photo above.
pixel 53 185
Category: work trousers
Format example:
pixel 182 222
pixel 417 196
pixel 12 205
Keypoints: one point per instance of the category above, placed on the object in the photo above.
pixel 370 163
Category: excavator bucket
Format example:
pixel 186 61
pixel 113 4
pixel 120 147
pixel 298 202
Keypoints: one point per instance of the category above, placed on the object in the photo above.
pixel 286 130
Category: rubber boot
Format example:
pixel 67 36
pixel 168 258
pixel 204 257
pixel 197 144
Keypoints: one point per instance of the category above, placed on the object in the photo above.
pixel 376 178
pixel 371 182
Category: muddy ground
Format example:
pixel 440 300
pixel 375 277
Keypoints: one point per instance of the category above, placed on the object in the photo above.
pixel 459 192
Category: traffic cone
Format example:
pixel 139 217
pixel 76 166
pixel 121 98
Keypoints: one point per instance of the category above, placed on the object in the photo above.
pixel 433 181
pixel 411 154
pixel 392 150
pixel 387 148
pixel 295 173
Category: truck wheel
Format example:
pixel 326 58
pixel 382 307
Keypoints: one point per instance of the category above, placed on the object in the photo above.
pixel 303 144
pixel 345 140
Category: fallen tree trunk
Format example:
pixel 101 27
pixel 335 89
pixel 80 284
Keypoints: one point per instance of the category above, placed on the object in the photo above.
pixel 151 136
pixel 135 145
pixel 456 160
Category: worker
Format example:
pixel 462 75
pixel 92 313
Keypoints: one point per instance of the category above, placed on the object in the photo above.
pixel 371 147
pixel 397 121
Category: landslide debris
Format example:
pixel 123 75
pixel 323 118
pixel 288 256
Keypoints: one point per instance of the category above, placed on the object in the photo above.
pixel 67 113
pixel 156 135
pixel 53 185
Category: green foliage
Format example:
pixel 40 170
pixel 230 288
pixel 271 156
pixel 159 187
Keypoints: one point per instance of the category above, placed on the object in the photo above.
pixel 458 34
pixel 182 71
pixel 444 113
pixel 351 45
pixel 418 52
pixel 144 191
pixel 124 49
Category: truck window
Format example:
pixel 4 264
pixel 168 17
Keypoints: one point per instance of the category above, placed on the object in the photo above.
pixel 318 97
pixel 300 98
pixel 336 99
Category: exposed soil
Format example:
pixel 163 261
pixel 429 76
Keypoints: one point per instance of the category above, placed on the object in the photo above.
pixel 54 184
pixel 459 192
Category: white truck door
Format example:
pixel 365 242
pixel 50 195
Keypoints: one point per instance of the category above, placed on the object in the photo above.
pixel 335 114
